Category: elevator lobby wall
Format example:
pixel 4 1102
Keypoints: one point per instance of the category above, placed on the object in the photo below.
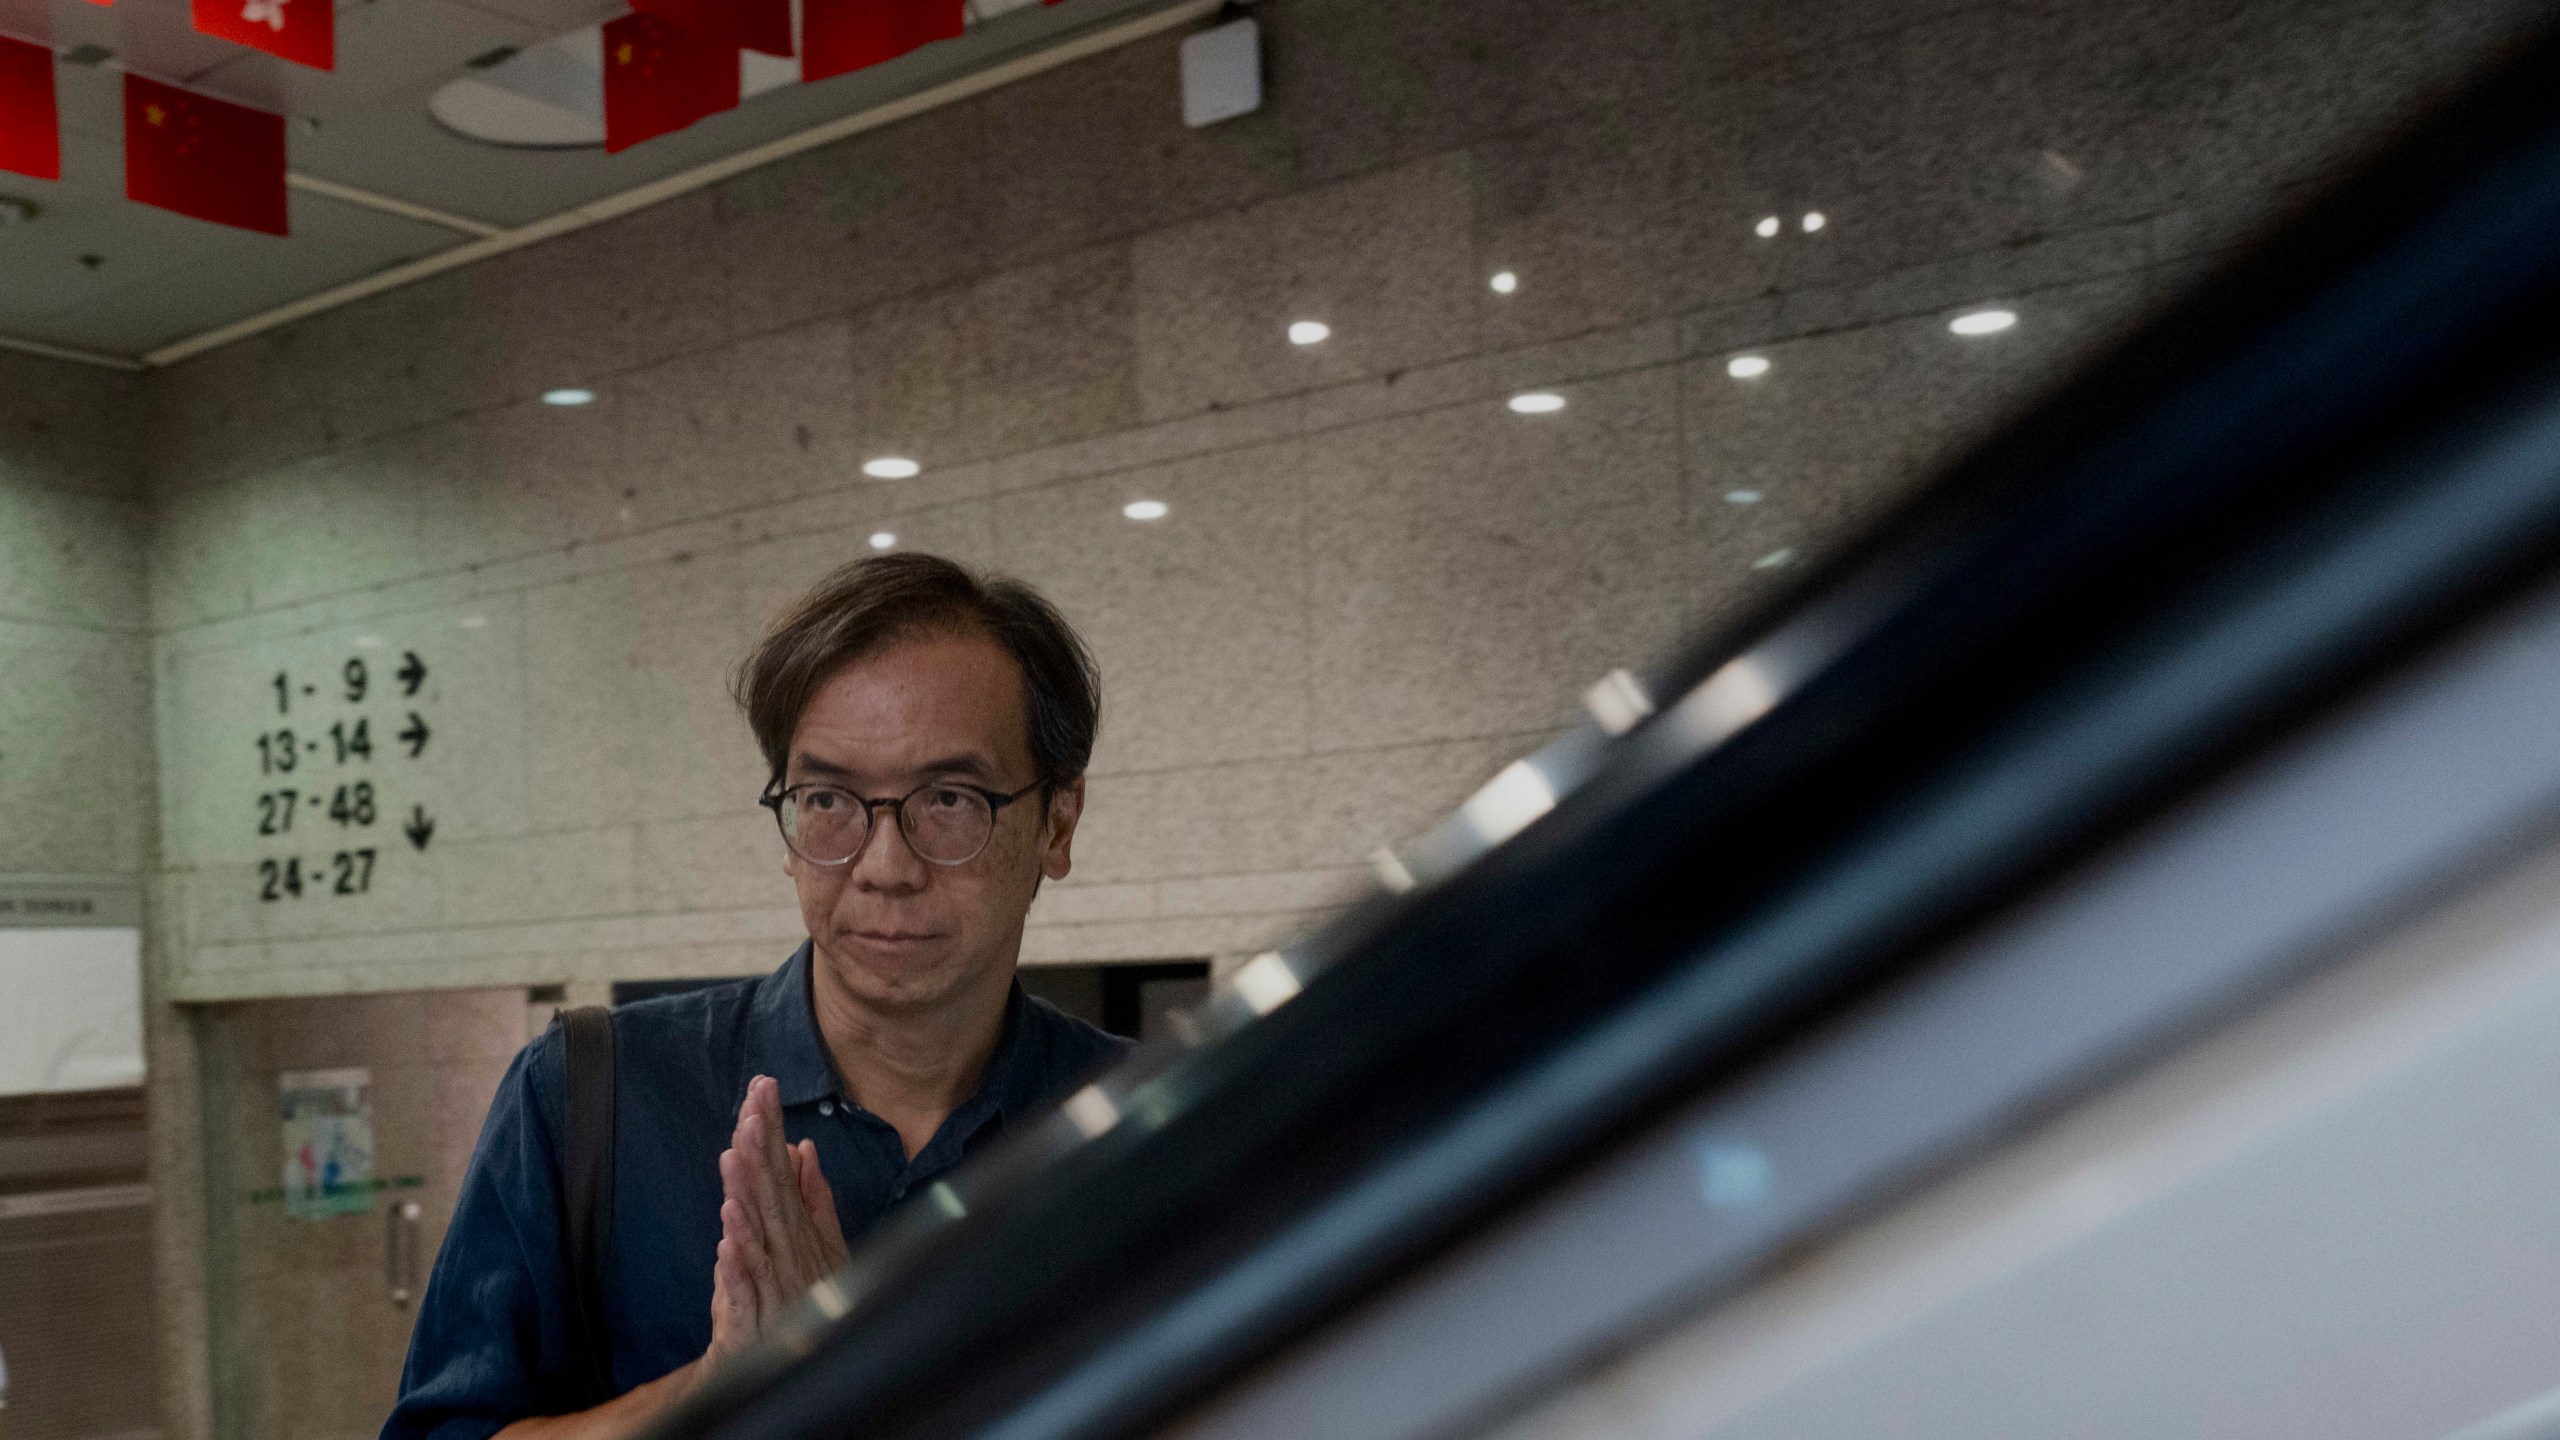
pixel 76 786
pixel 79 837
pixel 1374 583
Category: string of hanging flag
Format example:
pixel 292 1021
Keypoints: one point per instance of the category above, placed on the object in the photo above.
pixel 667 65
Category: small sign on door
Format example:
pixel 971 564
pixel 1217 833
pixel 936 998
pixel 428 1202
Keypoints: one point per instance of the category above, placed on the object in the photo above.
pixel 328 1142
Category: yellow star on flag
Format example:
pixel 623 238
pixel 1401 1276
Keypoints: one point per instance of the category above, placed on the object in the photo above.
pixel 155 114
pixel 623 55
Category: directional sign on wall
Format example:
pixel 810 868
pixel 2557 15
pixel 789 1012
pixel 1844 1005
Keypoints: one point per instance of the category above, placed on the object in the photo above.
pixel 334 795
pixel 335 767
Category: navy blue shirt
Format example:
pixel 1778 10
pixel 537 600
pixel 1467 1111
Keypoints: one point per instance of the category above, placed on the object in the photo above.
pixel 492 1340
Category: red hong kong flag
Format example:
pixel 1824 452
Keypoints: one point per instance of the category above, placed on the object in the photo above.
pixel 659 77
pixel 841 35
pixel 30 128
pixel 203 157
pixel 749 24
pixel 303 31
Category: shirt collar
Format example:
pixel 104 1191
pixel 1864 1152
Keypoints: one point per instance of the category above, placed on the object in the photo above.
pixel 1012 1081
pixel 782 1034
pixel 782 1041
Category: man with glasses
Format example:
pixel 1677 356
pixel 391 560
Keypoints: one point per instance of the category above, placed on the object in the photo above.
pixel 926 733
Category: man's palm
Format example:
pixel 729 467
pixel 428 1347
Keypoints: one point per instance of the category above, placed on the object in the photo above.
pixel 778 1229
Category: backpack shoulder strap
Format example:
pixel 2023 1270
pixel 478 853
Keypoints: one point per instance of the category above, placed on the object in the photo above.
pixel 586 1184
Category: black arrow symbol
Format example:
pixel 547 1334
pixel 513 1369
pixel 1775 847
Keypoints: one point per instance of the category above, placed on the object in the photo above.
pixel 419 826
pixel 413 672
pixel 416 734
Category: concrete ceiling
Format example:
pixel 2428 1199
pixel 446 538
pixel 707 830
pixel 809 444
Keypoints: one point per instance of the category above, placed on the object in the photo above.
pixel 97 273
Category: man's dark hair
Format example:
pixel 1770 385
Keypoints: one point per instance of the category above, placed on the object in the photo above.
pixel 882 599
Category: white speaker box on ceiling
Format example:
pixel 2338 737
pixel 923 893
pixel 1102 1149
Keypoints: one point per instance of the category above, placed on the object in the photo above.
pixel 1222 73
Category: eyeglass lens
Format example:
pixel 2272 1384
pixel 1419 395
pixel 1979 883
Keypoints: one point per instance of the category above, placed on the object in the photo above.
pixel 945 824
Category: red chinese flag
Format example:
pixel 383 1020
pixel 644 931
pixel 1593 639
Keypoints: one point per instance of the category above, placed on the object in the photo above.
pixel 841 35
pixel 660 77
pixel 203 157
pixel 748 24
pixel 30 127
pixel 303 31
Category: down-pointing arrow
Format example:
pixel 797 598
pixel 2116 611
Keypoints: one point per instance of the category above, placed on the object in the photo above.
pixel 419 828
pixel 416 734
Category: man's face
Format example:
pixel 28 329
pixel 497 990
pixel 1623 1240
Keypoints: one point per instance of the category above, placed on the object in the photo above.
pixel 895 931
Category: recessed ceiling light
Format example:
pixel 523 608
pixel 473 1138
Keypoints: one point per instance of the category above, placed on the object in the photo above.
pixel 1775 559
pixel 1742 497
pixel 1504 282
pixel 15 210
pixel 1983 322
pixel 892 467
pixel 1814 220
pixel 1537 402
pixel 475 622
pixel 568 397
pixel 883 540
pixel 1747 367
pixel 1309 332
pixel 1146 509
pixel 1767 229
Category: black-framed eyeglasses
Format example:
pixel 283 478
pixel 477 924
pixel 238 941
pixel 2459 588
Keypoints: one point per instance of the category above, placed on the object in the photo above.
pixel 946 822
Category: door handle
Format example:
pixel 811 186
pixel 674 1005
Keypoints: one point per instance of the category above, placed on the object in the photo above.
pixel 400 1249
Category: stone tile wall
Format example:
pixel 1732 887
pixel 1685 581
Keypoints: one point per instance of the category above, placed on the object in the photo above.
pixel 1375 583
pixel 76 790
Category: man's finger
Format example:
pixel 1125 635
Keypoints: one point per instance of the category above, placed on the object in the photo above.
pixel 735 1224
pixel 747 1136
pixel 759 1129
pixel 781 1219
pixel 802 1241
pixel 733 1319
pixel 746 1107
pixel 739 1160
pixel 766 1195
pixel 766 1096
pixel 755 1259
pixel 799 1249
pixel 734 1286
pixel 818 1202
pixel 736 1199
pixel 742 1220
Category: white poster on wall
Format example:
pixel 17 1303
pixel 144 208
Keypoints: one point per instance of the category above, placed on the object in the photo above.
pixel 70 1010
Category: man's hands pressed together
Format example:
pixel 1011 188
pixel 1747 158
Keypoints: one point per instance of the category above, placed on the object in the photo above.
pixel 779 1236
pixel 778 1229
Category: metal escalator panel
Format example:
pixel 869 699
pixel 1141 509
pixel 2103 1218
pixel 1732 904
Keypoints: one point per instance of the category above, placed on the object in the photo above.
pixel 2246 1116
pixel 2302 482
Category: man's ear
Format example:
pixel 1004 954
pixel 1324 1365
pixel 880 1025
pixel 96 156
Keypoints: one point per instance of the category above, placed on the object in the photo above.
pixel 1058 828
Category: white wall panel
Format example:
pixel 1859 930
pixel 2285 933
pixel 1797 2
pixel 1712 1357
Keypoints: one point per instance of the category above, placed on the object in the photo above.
pixel 70 1010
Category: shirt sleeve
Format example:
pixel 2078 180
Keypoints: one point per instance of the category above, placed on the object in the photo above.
pixel 491 1344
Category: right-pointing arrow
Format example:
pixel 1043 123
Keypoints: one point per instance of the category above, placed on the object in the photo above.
pixel 416 734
